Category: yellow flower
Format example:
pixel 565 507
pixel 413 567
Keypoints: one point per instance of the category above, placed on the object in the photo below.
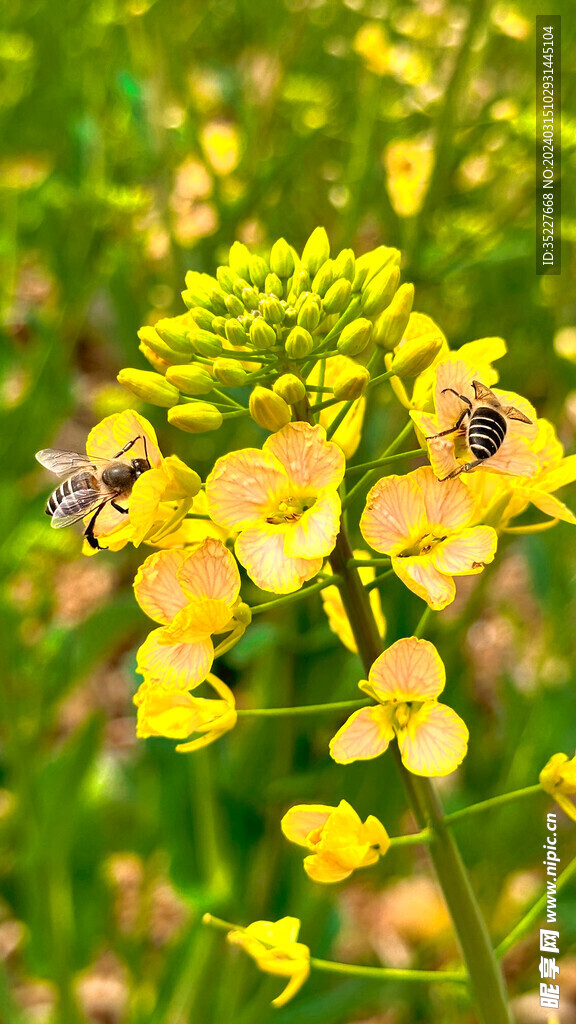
pixel 283 500
pixel 339 841
pixel 406 681
pixel 423 524
pixel 194 595
pixel 480 354
pixel 348 434
pixel 334 608
pixel 449 453
pixel 408 164
pixel 503 498
pixel 558 778
pixel 177 714
pixel 273 945
pixel 160 497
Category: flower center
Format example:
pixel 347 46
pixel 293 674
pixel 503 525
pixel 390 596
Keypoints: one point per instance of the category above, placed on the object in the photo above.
pixel 290 510
pixel 422 546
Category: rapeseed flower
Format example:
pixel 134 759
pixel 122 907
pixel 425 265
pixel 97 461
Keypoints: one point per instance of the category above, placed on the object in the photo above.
pixel 194 595
pixel 406 681
pixel 273 945
pixel 283 501
pixel 558 777
pixel 178 714
pixel 423 524
pixel 338 839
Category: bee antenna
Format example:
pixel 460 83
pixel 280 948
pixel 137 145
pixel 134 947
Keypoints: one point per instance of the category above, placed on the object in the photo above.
pixel 145 448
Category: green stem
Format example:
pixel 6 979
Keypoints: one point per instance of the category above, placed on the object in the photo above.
pixel 412 838
pixel 378 580
pixel 304 709
pixel 485 976
pixel 494 801
pixel 380 378
pixel 324 405
pixel 338 419
pixel 423 622
pixel 281 602
pixel 377 463
pixel 371 475
pixel 388 973
pixel 234 415
pixel 535 913
pixel 375 562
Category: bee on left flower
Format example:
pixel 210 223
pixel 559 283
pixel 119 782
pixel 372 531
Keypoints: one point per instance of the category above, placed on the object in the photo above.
pixel 90 485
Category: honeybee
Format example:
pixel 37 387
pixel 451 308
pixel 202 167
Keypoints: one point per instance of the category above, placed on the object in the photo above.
pixel 90 485
pixel 486 427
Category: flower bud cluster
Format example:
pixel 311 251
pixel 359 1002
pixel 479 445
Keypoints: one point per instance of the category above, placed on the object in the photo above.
pixel 263 324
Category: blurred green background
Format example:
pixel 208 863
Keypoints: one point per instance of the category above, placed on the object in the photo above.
pixel 139 139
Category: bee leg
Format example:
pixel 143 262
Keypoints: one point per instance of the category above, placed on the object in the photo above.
pixel 119 508
pixel 458 424
pixel 89 531
pixel 463 469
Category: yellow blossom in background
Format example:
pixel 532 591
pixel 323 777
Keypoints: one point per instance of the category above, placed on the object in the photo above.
pixel 406 680
pixel 372 44
pixel 348 434
pixel 408 164
pixel 283 501
pixel 193 594
pixel 338 839
pixel 178 714
pixel 424 525
pixel 221 144
pixel 274 947
pixel 450 453
pixel 334 607
pixel 558 777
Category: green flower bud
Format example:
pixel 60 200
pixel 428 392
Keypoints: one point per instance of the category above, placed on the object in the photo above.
pixel 158 363
pixel 355 337
pixel 243 613
pixel 300 282
pixel 344 265
pixel 205 343
pixel 239 285
pixel 290 316
pixel 258 268
pixel 299 343
pixel 392 322
pixel 272 310
pixel 217 301
pixel 273 285
pixel 371 262
pixel 202 318
pixel 175 331
pixel 309 314
pixel 250 297
pixel 195 417
pixel 239 259
pixel 337 296
pixel 190 380
pixel 290 388
pixel 378 293
pixel 281 259
pixel 218 326
pixel 234 305
pixel 229 372
pixel 226 279
pixel 262 335
pixel 316 251
pixel 198 289
pixel 150 386
pixel 269 410
pixel 149 336
pixel 236 334
pixel 352 383
pixel 415 354
pixel 324 278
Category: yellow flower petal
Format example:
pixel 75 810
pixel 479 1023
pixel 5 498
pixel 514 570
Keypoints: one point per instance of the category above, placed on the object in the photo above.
pixel 242 486
pixel 109 436
pixel 551 506
pixel 315 533
pixel 180 666
pixel 436 741
pixel 310 461
pixel 198 619
pixel 210 571
pixel 395 514
pixel 260 549
pixel 409 670
pixel 448 503
pixel 302 819
pixel 466 553
pixel 421 576
pixel 156 585
pixel 366 734
pixel 321 867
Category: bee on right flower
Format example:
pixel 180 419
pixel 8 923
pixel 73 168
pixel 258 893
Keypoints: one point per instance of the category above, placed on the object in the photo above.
pixel 486 425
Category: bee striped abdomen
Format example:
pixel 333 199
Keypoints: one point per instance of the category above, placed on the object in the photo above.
pixel 66 493
pixel 486 432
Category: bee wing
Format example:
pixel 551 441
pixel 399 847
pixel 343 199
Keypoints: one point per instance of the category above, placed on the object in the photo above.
pixel 63 463
pixel 77 505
